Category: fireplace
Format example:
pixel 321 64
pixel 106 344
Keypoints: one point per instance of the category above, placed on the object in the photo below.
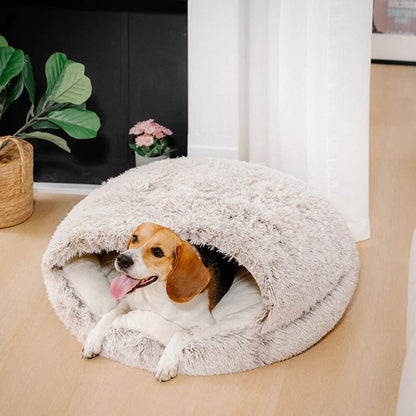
pixel 136 58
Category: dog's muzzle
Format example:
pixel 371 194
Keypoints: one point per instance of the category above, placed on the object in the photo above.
pixel 124 261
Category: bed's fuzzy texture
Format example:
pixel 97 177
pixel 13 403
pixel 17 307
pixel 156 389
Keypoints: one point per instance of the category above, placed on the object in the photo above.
pixel 296 246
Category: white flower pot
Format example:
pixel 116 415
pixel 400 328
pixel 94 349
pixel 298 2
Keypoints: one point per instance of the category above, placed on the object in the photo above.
pixel 144 160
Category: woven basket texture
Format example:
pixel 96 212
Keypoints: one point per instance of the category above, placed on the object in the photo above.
pixel 16 181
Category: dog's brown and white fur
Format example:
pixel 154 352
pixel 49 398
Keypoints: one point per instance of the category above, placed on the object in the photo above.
pixel 170 287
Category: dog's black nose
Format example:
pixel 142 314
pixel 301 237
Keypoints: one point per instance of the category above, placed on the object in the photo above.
pixel 124 261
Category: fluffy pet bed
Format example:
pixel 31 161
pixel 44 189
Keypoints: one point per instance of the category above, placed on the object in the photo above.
pixel 295 245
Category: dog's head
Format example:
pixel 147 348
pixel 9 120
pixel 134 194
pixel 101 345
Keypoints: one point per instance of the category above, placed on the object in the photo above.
pixel 157 253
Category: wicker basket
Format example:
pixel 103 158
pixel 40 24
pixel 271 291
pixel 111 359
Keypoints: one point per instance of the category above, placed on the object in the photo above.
pixel 16 181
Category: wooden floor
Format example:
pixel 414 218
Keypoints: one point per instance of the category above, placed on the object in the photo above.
pixel 355 370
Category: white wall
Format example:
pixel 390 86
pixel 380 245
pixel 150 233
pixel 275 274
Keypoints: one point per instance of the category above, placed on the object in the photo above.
pixel 213 82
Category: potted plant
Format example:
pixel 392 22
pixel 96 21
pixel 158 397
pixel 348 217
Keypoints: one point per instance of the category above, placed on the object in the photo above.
pixel 62 106
pixel 150 142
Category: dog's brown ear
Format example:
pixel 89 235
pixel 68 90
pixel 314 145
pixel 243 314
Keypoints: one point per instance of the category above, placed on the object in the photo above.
pixel 188 277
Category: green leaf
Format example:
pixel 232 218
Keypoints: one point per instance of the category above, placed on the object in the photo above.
pixel 11 64
pixel 14 93
pixel 82 106
pixel 3 98
pixel 79 124
pixel 139 150
pixel 53 70
pixel 56 107
pixel 3 41
pixel 155 151
pixel 30 112
pixel 29 79
pixel 44 124
pixel 40 104
pixel 59 141
pixel 53 107
pixel 5 53
pixel 72 86
pixel 168 150
pixel 134 147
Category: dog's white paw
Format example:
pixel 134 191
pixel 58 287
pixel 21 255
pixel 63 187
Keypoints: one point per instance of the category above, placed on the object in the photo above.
pixel 167 367
pixel 93 345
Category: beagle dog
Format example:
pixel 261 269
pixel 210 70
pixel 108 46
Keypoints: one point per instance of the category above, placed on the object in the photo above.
pixel 168 289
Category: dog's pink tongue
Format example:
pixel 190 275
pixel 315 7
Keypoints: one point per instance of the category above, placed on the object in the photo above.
pixel 121 285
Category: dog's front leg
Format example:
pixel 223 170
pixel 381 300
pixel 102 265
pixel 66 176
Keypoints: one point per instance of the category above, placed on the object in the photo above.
pixel 94 341
pixel 167 367
pixel 165 332
pixel 150 323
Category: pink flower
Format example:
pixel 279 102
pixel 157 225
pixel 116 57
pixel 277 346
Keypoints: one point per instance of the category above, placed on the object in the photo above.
pixel 159 134
pixel 135 129
pixel 150 127
pixel 142 126
pixel 147 131
pixel 162 131
pixel 144 140
pixel 167 131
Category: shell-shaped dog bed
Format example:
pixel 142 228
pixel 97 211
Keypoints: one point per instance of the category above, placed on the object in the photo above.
pixel 289 237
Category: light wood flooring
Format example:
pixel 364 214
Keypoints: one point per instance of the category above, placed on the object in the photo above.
pixel 354 370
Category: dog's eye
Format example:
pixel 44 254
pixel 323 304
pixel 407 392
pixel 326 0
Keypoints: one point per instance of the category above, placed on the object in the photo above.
pixel 157 252
pixel 134 239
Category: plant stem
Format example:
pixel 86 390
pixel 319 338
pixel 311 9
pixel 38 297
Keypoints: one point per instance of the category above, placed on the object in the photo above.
pixel 33 120
pixel 27 125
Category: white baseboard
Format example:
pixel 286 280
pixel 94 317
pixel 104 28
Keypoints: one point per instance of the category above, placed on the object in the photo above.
pixel 63 188
pixel 393 47
pixel 213 151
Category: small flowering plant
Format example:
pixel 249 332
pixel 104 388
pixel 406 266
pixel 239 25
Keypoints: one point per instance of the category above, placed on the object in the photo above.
pixel 150 140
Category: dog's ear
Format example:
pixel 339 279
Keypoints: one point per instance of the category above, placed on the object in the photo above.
pixel 188 277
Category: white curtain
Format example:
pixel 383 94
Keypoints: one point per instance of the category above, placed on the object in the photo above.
pixel 285 83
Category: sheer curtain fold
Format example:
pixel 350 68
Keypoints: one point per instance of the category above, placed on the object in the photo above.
pixel 296 74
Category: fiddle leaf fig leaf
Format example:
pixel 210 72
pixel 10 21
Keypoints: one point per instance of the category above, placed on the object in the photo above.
pixel 11 64
pixel 72 86
pixel 53 70
pixel 59 141
pixel 77 123
pixel 44 124
pixel 14 93
pixel 3 41
pixel 29 80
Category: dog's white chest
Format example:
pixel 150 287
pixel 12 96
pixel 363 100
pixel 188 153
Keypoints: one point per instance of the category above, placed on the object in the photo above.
pixel 194 313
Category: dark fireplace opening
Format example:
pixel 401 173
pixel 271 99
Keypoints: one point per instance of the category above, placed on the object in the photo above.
pixel 136 58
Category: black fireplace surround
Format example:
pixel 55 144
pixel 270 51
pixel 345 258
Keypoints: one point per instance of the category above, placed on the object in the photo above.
pixel 136 58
